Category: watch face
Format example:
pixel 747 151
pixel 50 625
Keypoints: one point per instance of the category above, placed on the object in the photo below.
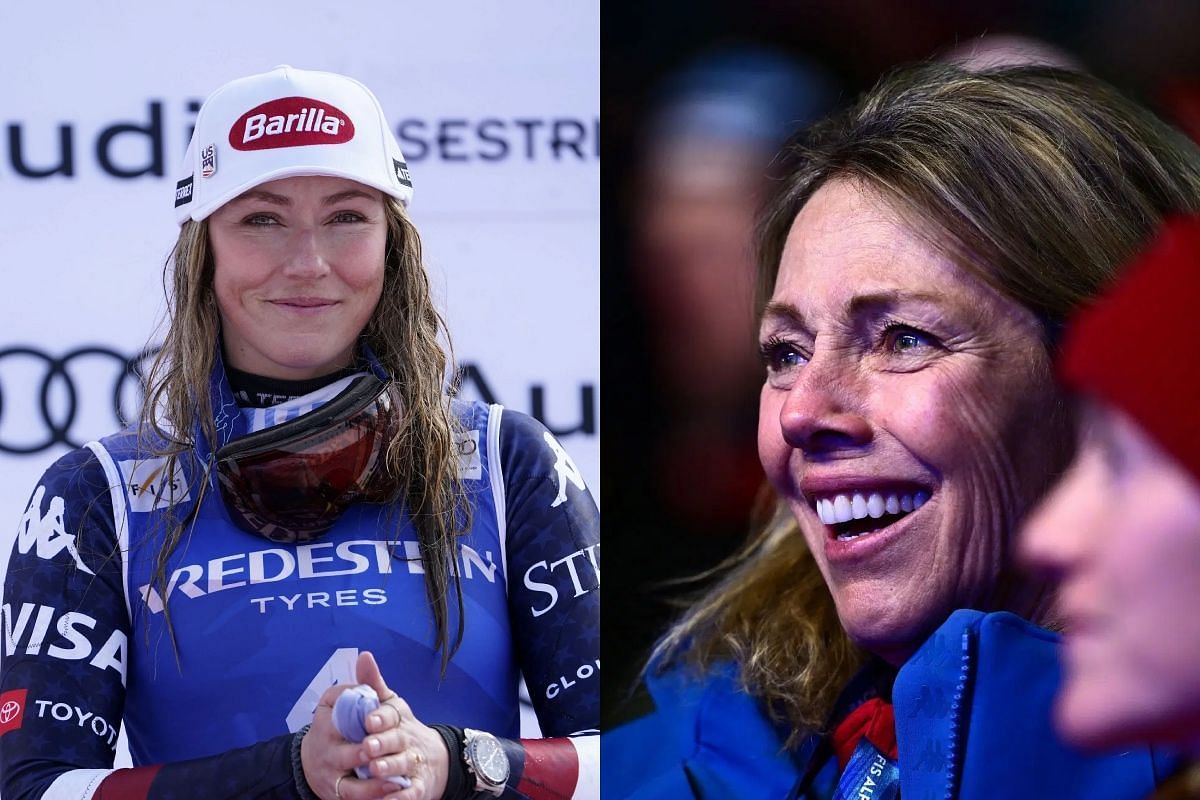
pixel 488 759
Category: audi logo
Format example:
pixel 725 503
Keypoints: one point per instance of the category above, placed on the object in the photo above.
pixel 48 400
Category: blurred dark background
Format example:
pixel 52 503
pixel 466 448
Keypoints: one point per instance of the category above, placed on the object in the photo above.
pixel 697 97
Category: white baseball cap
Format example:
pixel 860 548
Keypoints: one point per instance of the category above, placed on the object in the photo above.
pixel 283 123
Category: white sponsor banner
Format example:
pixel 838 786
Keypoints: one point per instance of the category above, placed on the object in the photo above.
pixel 496 107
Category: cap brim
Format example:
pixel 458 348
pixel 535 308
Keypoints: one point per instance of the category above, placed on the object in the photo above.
pixel 204 210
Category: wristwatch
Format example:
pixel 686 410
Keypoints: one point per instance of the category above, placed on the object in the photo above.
pixel 486 760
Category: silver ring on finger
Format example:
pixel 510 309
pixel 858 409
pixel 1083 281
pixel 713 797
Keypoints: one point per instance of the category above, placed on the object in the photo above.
pixel 399 714
pixel 337 787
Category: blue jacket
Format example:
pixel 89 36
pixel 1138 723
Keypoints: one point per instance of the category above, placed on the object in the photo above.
pixel 973 722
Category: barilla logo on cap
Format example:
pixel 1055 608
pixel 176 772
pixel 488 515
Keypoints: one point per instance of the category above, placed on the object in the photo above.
pixel 290 122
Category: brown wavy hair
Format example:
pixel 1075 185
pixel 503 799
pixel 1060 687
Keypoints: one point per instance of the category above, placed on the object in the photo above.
pixel 406 333
pixel 1040 181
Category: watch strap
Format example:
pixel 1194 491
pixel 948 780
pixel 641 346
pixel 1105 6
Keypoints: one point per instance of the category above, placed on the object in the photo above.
pixel 302 787
pixel 460 785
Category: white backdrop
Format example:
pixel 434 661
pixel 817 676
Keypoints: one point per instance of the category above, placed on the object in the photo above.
pixel 496 106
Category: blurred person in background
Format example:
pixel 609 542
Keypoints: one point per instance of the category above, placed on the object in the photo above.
pixel 714 128
pixel 302 509
pixel 1121 531
pixel 917 258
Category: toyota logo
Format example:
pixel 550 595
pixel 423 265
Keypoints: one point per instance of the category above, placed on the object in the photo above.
pixel 48 400
pixel 9 711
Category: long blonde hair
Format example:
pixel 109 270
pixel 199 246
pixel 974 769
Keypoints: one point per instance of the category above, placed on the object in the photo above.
pixel 1040 181
pixel 405 332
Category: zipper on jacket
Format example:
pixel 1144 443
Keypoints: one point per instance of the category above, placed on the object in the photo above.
pixel 956 747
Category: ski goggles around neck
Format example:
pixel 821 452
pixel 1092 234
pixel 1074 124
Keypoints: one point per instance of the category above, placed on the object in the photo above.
pixel 291 482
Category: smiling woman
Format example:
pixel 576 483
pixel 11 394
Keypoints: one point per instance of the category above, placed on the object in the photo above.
pixel 272 248
pixel 876 637
pixel 909 380
pixel 302 509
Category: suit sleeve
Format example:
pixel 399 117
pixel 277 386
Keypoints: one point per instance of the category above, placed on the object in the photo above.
pixel 553 553
pixel 65 658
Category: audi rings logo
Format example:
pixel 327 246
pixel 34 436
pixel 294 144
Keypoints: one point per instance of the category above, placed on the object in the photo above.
pixel 48 400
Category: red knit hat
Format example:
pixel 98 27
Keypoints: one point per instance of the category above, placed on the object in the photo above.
pixel 1138 346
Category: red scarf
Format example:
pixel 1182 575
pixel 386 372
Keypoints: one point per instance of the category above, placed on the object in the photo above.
pixel 873 719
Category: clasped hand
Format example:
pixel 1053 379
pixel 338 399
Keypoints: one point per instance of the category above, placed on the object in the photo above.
pixel 397 743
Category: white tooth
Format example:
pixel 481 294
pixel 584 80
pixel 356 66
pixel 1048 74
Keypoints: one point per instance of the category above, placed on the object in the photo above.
pixel 906 502
pixel 919 499
pixel 841 509
pixel 859 507
pixel 825 511
pixel 875 506
pixel 892 505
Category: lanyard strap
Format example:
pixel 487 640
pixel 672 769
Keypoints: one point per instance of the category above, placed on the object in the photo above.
pixel 870 775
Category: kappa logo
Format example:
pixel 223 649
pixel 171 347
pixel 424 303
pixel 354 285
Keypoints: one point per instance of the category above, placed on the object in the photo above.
pixel 291 122
pixel 47 533
pixel 566 469
pixel 932 702
pixel 12 710
pixel 932 758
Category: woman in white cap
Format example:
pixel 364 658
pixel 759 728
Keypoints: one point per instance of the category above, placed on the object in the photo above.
pixel 301 510
pixel 1121 530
